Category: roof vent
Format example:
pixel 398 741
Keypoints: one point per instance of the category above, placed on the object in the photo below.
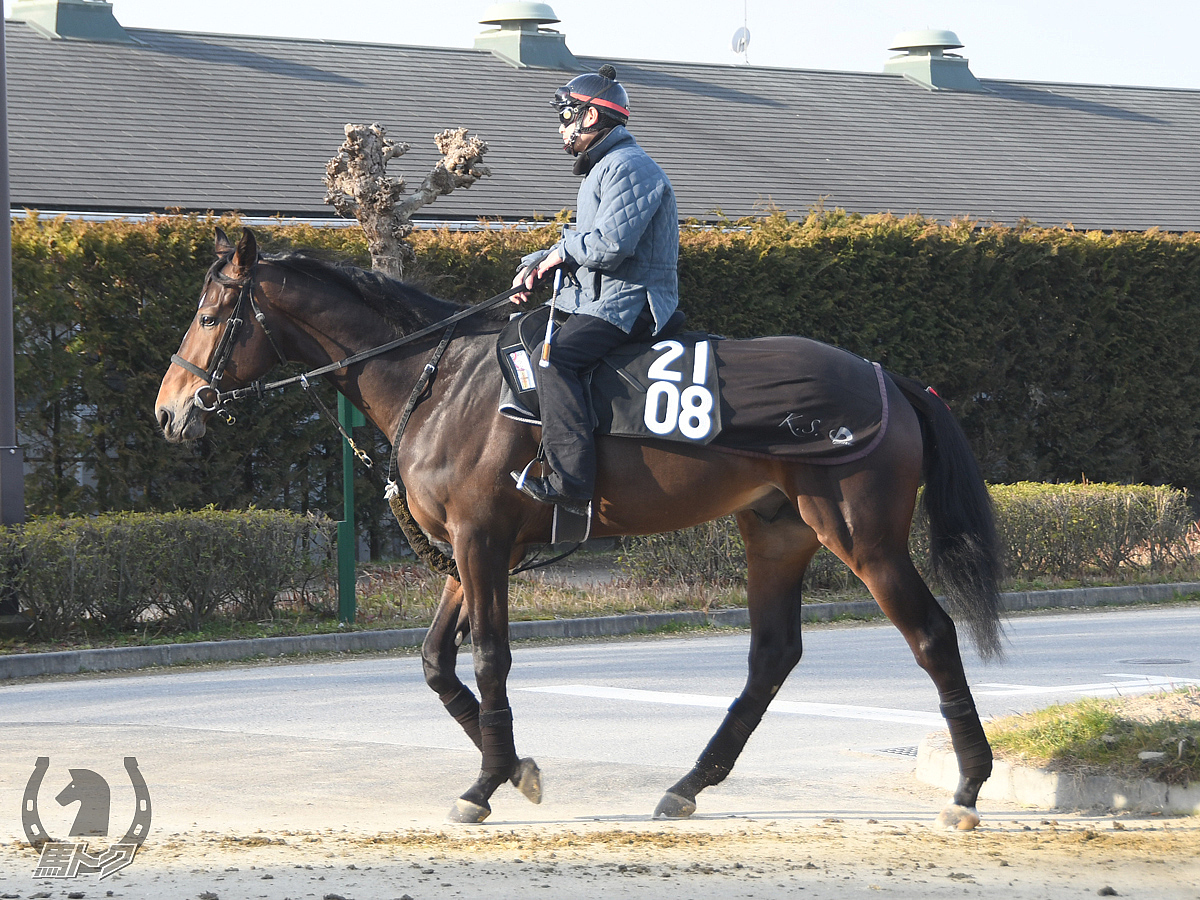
pixel 78 20
pixel 926 62
pixel 521 42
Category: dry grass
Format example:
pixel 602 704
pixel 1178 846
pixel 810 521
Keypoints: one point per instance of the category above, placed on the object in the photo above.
pixel 405 596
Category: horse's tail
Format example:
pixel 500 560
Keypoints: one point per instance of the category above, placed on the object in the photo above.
pixel 964 549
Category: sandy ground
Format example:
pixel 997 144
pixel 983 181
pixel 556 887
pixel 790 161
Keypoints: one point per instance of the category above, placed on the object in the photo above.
pixel 1017 858
pixel 251 816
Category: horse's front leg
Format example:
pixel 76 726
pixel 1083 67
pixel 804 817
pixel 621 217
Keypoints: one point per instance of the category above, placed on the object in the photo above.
pixel 483 568
pixel 439 654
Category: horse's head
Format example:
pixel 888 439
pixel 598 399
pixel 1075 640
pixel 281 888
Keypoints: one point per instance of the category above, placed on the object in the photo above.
pixel 224 346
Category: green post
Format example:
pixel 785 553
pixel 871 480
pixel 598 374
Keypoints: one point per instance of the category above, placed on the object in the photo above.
pixel 346 539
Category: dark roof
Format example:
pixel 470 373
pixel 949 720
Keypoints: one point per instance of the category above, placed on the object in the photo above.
pixel 219 122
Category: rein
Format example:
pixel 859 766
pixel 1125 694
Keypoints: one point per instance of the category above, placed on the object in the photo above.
pixel 259 388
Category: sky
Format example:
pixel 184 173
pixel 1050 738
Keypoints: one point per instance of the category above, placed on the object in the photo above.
pixel 1154 43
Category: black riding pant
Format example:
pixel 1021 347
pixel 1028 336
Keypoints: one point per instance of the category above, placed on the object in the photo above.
pixel 567 438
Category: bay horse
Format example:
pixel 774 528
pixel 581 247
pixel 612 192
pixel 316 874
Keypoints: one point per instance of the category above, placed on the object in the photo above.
pixel 457 451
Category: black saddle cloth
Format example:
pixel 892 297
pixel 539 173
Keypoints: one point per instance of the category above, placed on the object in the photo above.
pixel 774 396
pixel 796 397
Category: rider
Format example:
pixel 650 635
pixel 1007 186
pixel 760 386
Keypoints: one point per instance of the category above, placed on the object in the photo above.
pixel 623 253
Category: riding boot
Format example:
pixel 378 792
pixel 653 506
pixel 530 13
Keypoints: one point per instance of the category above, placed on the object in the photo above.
pixel 567 427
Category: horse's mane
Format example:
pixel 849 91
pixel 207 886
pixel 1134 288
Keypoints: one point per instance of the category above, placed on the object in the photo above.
pixel 403 304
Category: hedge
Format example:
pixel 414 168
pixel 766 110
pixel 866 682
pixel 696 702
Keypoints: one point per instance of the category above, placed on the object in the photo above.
pixel 125 571
pixel 1069 530
pixel 121 570
pixel 1063 353
pixel 1054 531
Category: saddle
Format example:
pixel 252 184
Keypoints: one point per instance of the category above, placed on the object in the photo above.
pixel 520 346
pixel 774 396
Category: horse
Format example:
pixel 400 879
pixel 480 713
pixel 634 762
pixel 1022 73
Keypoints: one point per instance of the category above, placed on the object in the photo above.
pixel 456 453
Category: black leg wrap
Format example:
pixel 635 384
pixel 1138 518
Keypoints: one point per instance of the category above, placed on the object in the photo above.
pixel 499 753
pixel 966 735
pixel 495 717
pixel 463 706
pixel 717 760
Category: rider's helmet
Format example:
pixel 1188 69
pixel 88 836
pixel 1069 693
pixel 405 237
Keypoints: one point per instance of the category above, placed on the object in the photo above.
pixel 599 90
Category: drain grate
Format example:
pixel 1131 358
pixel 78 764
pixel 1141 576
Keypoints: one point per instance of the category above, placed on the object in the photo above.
pixel 909 752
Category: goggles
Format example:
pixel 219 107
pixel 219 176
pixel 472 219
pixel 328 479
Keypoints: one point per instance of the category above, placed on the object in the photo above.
pixel 568 114
pixel 568 107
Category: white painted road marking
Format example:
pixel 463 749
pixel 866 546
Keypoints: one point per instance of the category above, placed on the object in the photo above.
pixel 789 707
pixel 1135 684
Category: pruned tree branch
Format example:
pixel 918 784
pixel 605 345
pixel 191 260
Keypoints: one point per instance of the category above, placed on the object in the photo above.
pixel 358 186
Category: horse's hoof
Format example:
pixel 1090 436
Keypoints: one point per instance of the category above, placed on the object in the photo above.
pixel 672 806
pixel 464 812
pixel 957 818
pixel 528 780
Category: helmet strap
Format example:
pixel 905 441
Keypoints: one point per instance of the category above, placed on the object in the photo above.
pixel 583 160
pixel 569 146
pixel 580 129
pixel 595 126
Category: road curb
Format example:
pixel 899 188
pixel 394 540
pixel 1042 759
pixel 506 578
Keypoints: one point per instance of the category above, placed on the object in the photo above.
pixel 70 662
pixel 1043 789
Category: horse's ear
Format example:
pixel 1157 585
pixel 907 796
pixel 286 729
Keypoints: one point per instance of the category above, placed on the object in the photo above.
pixel 246 253
pixel 224 245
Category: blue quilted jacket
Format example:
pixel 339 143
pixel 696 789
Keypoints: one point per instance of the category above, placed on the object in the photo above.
pixel 624 248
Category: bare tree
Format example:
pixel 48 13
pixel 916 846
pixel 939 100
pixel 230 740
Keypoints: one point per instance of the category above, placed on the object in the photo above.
pixel 358 186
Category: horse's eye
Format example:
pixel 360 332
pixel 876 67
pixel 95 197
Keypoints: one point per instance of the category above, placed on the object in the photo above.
pixel 208 321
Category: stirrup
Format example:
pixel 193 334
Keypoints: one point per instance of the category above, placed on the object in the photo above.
pixel 520 477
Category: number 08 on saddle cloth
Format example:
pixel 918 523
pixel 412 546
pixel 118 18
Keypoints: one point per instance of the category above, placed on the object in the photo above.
pixel 773 396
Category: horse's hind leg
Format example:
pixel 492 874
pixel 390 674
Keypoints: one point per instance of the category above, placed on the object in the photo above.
pixel 439 653
pixel 778 550
pixel 906 600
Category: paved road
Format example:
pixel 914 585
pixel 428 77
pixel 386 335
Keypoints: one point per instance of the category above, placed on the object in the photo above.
pixel 362 744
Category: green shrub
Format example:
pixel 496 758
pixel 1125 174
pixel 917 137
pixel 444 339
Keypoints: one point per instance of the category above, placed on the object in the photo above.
pixel 114 569
pixel 712 553
pixel 65 570
pixel 1076 530
pixel 126 548
pixel 279 552
pixel 1057 531
pixel 56 573
pixel 205 556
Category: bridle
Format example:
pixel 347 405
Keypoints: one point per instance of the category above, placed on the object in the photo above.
pixel 211 389
pixel 210 398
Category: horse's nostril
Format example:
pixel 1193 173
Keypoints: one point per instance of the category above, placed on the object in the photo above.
pixel 164 418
